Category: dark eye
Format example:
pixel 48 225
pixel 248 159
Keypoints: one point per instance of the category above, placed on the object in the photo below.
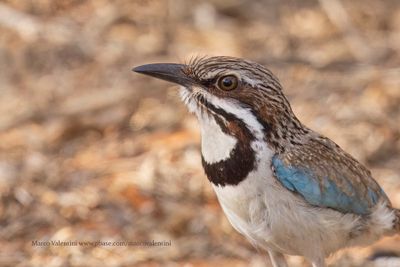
pixel 227 83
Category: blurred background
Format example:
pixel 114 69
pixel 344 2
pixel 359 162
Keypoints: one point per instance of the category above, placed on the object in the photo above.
pixel 90 151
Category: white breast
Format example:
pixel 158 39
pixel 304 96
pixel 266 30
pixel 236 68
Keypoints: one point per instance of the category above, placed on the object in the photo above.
pixel 246 204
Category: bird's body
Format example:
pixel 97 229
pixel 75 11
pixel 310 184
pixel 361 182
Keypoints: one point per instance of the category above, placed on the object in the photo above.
pixel 295 227
pixel 286 188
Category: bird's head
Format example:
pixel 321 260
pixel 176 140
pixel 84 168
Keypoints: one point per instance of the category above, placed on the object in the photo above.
pixel 235 92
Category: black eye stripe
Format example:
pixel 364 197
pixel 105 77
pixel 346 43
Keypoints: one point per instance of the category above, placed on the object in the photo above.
pixel 208 82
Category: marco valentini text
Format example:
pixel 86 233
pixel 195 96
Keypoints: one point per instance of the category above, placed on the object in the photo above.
pixel 98 243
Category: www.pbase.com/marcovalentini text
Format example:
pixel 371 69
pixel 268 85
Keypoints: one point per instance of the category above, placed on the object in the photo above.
pixel 148 243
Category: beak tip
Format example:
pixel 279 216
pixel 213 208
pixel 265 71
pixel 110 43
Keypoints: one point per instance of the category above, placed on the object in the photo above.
pixel 136 69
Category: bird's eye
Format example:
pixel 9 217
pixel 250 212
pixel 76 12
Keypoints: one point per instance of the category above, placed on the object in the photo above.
pixel 228 83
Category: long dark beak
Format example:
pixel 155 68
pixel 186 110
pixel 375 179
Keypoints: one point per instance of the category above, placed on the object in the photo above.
pixel 166 71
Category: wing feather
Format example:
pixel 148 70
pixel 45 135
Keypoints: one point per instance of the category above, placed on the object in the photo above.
pixel 326 176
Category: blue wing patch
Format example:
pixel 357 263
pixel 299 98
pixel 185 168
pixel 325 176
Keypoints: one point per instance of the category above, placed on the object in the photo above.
pixel 323 191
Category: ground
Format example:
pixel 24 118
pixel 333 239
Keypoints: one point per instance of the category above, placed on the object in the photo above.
pixel 91 151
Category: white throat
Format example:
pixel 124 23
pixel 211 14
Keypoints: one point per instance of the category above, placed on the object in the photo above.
pixel 215 144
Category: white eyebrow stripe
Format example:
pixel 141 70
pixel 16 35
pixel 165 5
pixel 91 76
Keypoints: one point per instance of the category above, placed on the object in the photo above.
pixel 252 82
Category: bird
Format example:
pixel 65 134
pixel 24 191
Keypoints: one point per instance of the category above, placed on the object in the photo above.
pixel 288 189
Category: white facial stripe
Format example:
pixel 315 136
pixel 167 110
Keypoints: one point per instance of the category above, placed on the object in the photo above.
pixel 241 113
pixel 228 105
pixel 215 144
